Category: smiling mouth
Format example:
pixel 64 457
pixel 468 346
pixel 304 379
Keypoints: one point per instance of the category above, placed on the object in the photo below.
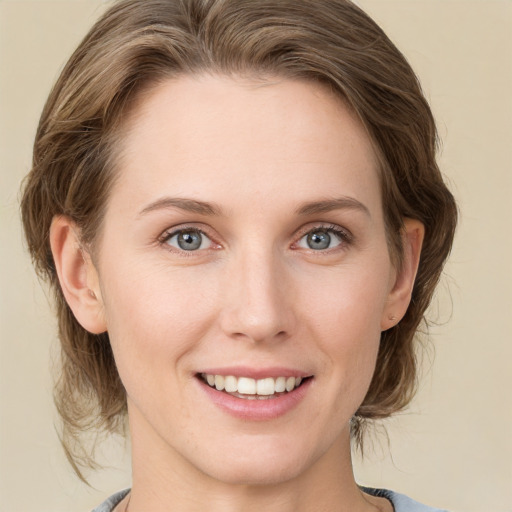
pixel 253 389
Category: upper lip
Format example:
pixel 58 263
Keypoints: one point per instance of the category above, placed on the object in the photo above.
pixel 255 373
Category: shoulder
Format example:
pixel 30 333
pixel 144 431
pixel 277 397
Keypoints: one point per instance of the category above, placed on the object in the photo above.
pixel 110 503
pixel 400 502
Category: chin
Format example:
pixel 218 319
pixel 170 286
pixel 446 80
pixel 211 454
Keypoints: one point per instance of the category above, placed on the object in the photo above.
pixel 271 473
pixel 259 465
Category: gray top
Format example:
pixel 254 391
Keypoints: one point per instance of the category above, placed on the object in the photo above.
pixel 400 502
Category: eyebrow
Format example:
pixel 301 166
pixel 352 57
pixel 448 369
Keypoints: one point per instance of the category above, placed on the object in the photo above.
pixel 328 205
pixel 189 205
pixel 210 209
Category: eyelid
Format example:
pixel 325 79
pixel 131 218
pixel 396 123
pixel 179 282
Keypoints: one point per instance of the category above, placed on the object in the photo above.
pixel 347 238
pixel 345 235
pixel 176 230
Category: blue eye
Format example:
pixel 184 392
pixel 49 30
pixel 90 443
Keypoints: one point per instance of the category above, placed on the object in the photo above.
pixel 321 239
pixel 188 240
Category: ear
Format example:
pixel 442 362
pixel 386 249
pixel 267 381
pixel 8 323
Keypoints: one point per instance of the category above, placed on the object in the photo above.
pixel 402 284
pixel 77 275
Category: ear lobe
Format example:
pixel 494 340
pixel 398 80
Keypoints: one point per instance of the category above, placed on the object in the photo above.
pixel 77 275
pixel 400 294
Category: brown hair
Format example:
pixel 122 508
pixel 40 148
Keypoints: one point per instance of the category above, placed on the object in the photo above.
pixel 138 43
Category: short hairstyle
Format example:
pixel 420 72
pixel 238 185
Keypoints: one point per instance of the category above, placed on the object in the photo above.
pixel 137 44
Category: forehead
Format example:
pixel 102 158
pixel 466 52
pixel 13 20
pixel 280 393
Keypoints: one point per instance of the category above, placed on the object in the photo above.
pixel 213 135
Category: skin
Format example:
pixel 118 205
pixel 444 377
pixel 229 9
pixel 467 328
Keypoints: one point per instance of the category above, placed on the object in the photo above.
pixel 254 294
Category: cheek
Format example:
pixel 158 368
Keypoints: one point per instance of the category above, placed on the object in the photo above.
pixel 348 300
pixel 345 317
pixel 153 320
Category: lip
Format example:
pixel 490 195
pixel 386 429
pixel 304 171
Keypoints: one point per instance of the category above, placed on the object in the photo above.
pixel 255 373
pixel 256 409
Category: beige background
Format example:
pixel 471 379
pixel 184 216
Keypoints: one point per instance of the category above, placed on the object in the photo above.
pixel 453 448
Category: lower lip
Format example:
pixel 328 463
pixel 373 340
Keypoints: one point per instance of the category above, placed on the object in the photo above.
pixel 257 409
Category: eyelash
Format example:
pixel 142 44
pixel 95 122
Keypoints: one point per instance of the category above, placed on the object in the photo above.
pixel 346 238
pixel 169 234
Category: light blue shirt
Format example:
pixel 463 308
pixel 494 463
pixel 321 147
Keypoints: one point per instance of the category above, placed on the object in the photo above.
pixel 400 502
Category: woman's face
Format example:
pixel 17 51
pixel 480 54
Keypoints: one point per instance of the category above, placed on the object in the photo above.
pixel 244 238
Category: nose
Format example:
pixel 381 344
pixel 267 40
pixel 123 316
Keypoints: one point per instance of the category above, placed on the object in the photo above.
pixel 258 305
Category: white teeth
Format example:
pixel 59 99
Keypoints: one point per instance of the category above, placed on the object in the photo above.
pixel 246 386
pixel 280 384
pixel 219 382
pixel 265 386
pixel 252 387
pixel 230 384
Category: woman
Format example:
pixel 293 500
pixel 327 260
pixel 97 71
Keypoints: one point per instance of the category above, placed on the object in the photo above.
pixel 238 206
